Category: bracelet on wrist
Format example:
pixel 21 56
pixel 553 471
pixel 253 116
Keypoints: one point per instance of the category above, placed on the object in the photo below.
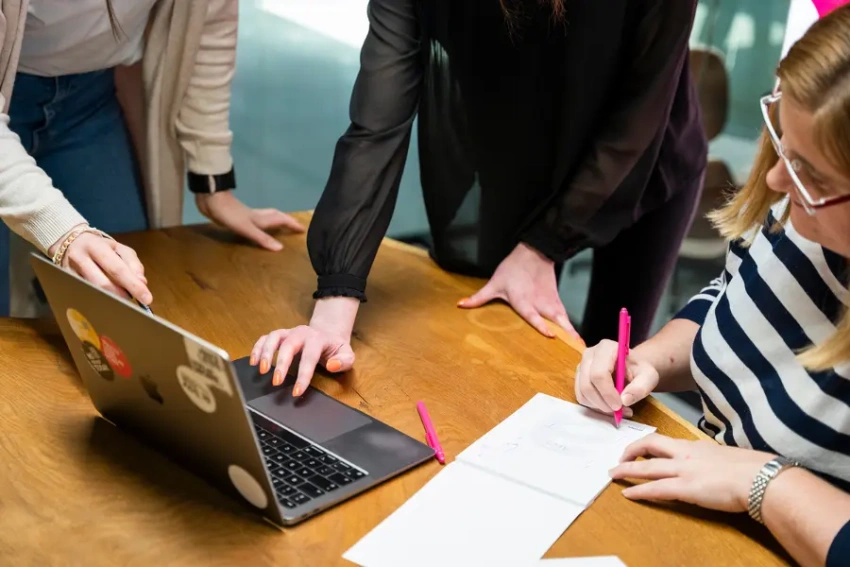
pixel 72 236
pixel 768 472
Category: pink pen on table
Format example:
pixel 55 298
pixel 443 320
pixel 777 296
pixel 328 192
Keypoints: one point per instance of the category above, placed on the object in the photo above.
pixel 430 433
pixel 623 338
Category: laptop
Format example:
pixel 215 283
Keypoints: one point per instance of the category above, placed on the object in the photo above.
pixel 286 459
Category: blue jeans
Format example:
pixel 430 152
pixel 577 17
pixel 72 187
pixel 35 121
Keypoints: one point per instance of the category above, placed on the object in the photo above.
pixel 74 128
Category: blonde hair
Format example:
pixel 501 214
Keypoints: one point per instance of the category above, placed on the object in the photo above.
pixel 816 76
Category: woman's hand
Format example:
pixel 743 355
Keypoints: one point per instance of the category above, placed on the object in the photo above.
pixel 326 341
pixel 226 210
pixel 526 281
pixel 594 384
pixel 703 473
pixel 106 264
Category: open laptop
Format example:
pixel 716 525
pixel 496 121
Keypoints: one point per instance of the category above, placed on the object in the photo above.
pixel 288 459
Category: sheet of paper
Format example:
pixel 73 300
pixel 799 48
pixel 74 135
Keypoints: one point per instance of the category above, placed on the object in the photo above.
pixel 466 517
pixel 557 447
pixel 602 561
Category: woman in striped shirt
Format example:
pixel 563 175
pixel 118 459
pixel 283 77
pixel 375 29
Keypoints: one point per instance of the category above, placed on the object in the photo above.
pixel 767 344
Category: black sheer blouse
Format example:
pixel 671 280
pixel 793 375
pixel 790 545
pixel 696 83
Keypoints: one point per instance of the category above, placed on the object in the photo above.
pixel 558 134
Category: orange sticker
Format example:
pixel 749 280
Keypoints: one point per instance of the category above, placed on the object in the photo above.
pixel 116 358
pixel 82 328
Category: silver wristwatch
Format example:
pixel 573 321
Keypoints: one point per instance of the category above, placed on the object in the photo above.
pixel 767 473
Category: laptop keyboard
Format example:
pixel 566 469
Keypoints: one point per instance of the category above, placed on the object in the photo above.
pixel 300 470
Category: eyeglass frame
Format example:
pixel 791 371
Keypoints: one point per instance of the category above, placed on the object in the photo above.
pixel 810 204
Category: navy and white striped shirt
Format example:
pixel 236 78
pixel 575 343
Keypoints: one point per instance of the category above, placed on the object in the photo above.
pixel 775 298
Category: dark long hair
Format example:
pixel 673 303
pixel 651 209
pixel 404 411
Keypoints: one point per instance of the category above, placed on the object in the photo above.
pixel 117 32
pixel 513 11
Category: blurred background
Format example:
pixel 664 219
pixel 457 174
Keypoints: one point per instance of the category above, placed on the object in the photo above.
pixel 297 61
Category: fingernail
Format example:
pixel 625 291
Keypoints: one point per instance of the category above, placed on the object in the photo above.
pixel 253 361
pixel 277 380
pixel 462 302
pixel 144 279
pixel 264 366
pixel 146 298
pixel 277 245
pixel 296 391
pixel 334 365
pixel 628 399
pixel 627 412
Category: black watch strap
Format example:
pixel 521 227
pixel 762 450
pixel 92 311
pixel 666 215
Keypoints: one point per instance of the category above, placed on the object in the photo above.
pixel 202 183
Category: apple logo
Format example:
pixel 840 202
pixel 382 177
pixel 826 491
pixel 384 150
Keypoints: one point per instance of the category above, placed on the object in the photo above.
pixel 151 389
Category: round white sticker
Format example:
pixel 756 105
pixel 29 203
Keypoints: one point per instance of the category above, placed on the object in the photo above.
pixel 196 388
pixel 247 486
pixel 205 362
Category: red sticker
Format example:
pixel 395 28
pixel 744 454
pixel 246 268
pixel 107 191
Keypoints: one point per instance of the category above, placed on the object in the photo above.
pixel 115 357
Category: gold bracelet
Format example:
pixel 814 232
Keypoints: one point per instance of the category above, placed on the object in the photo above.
pixel 63 248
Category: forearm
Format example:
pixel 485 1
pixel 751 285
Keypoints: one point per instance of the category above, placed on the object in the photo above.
pixel 336 315
pixel 355 209
pixel 203 122
pixel 805 513
pixel 669 352
pixel 29 203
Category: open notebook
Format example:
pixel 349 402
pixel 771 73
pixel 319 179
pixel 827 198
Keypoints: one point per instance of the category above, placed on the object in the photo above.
pixel 508 496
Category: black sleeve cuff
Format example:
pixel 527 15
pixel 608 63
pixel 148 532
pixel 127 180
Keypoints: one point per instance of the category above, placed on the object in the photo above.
pixel 341 285
pixel 839 551
pixel 556 247
pixel 211 183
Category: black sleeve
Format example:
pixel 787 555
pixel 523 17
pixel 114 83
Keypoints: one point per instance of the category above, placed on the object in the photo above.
pixel 355 209
pixel 839 551
pixel 640 105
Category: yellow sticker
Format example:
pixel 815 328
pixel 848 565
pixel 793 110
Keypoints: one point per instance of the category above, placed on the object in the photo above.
pixel 82 328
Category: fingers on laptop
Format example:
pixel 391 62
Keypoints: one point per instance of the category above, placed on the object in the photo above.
pixel 315 348
pixel 111 266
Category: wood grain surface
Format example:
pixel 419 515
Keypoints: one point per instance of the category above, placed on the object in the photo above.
pixel 74 490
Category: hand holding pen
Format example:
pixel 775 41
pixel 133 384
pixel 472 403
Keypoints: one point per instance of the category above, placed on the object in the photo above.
pixel 611 377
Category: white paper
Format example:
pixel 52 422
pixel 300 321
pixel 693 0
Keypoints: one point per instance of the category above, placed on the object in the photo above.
pixel 466 517
pixel 602 561
pixel 509 496
pixel 557 447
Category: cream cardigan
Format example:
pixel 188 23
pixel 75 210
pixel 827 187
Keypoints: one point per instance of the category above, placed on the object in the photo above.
pixel 176 103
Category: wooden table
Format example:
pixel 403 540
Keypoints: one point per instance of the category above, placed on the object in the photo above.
pixel 75 490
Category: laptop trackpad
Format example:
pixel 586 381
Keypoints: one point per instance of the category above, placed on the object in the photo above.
pixel 314 415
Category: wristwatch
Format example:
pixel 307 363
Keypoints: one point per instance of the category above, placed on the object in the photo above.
pixel 767 473
pixel 203 183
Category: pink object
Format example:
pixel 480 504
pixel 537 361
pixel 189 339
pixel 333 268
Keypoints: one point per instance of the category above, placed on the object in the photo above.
pixel 430 433
pixel 824 7
pixel 623 336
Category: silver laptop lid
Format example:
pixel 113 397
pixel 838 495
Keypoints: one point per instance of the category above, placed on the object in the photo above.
pixel 176 392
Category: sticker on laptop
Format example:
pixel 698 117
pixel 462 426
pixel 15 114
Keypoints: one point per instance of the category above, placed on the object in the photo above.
pixel 115 357
pixel 209 364
pixel 247 486
pixel 97 361
pixel 196 388
pixel 82 328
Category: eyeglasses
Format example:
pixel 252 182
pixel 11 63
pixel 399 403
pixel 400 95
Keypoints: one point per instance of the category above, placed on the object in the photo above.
pixel 795 167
